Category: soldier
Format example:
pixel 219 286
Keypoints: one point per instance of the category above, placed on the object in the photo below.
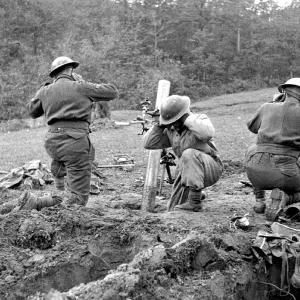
pixel 191 138
pixel 67 106
pixel 273 162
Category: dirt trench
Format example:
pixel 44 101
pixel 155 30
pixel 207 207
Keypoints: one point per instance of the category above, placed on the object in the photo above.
pixel 113 250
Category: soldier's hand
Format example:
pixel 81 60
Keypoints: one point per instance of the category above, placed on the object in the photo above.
pixel 184 117
pixel 77 77
pixel 46 83
pixel 279 97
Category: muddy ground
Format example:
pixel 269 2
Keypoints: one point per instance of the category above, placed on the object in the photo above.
pixel 110 249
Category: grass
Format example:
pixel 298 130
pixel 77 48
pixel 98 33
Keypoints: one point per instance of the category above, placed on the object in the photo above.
pixel 229 114
pixel 19 147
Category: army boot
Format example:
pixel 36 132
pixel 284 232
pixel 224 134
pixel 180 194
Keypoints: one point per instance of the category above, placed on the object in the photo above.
pixel 279 200
pixel 48 200
pixel 260 201
pixel 193 202
pixel 29 201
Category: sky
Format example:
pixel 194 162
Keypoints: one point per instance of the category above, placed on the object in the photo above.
pixel 283 2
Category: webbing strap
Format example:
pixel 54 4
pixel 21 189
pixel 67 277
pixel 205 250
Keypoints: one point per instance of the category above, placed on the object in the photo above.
pixel 284 266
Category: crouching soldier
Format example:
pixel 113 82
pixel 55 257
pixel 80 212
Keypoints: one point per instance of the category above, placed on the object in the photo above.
pixel 67 105
pixel 191 138
pixel 273 162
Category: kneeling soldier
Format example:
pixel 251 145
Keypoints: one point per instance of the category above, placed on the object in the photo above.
pixel 273 162
pixel 67 105
pixel 191 138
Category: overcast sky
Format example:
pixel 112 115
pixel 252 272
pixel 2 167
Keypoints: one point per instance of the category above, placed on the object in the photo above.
pixel 283 2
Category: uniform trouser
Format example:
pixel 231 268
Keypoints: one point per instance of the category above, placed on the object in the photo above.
pixel 195 170
pixel 267 171
pixel 72 153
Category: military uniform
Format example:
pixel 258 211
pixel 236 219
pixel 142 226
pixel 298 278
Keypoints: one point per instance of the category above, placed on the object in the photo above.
pixel 273 162
pixel 67 105
pixel 199 164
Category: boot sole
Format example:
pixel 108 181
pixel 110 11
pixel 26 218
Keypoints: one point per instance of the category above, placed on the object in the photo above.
pixel 195 209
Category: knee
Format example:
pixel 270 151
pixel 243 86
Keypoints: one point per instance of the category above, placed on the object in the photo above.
pixel 188 153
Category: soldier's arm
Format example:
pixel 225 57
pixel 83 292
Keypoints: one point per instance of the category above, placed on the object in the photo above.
pixel 34 106
pixel 255 122
pixel 156 138
pixel 100 92
pixel 201 126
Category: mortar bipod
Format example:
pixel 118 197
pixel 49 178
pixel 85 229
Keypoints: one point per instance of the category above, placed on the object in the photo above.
pixel 168 159
pixel 145 111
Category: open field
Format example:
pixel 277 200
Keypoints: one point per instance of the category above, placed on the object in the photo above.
pixel 89 243
pixel 228 113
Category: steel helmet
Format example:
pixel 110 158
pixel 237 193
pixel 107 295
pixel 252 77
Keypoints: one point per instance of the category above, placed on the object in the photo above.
pixel 291 82
pixel 173 108
pixel 60 62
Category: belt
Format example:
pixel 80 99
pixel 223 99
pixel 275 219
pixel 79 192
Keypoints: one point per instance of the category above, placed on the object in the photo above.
pixel 69 125
pixel 278 150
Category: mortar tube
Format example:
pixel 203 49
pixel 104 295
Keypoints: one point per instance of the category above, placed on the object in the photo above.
pixel 162 179
pixel 150 186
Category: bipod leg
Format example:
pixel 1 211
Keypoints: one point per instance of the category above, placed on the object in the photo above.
pixel 162 179
pixel 171 180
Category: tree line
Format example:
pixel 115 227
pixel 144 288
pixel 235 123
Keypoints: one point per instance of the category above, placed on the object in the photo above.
pixel 203 47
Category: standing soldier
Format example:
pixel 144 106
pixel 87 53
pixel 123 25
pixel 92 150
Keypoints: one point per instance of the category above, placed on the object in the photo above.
pixel 191 138
pixel 273 162
pixel 67 106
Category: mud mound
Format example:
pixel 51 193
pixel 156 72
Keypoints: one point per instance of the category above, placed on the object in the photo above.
pixel 113 250
pixel 58 248
pixel 104 252
pixel 153 274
